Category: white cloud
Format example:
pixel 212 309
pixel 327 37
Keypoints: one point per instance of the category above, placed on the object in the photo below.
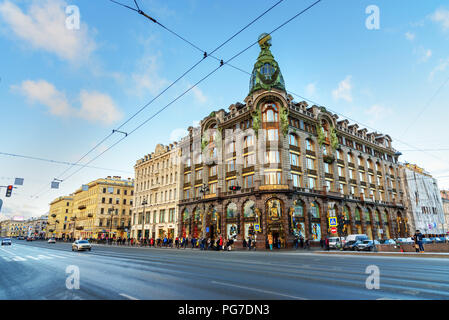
pixel 95 106
pixel 442 65
pixel 410 36
pixel 441 16
pixel 378 112
pixel 46 94
pixel 98 107
pixel 148 78
pixel 198 94
pixel 344 90
pixel 311 89
pixel 43 27
pixel 177 134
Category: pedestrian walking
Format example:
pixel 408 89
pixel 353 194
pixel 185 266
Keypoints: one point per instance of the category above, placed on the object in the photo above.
pixel 327 244
pixel 177 243
pixel 417 238
pixel 270 241
pixel 244 243
pixel 249 243
pixel 307 246
pixel 295 243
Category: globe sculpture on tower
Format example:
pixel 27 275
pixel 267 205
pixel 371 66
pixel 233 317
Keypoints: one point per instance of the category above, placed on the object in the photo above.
pixel 266 73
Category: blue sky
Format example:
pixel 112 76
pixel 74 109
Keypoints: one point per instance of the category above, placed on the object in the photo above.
pixel 62 90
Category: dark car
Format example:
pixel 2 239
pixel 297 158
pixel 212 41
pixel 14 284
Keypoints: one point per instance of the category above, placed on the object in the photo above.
pixel 351 245
pixel 30 239
pixel 367 245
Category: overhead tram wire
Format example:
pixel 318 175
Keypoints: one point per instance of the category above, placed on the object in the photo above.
pixel 193 86
pixel 174 82
pixel 57 161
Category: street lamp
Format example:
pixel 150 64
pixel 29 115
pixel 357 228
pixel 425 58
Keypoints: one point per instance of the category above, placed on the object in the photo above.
pixel 110 210
pixel 144 203
pixel 203 189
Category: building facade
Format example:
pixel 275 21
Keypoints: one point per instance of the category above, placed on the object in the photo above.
pixel 102 209
pixel 445 200
pixel 156 196
pixel 59 217
pixel 296 166
pixel 13 228
pixel 37 226
pixel 423 201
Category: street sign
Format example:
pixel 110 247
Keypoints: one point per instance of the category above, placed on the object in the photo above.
pixel 334 230
pixel 207 229
pixel 381 231
pixel 333 222
pixel 18 181
pixel 257 227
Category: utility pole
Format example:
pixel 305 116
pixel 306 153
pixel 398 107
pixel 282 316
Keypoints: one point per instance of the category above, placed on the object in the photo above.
pixel 144 202
pixel 203 189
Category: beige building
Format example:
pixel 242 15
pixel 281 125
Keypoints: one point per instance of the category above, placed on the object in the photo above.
pixel 13 228
pixel 37 226
pixel 156 183
pixel 101 204
pixel 61 211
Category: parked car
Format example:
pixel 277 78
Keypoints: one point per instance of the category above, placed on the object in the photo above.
pixel 355 237
pixel 367 245
pixel 334 242
pixel 351 245
pixel 30 239
pixel 51 240
pixel 20 238
pixel 406 240
pixel 426 240
pixel 6 241
pixel 388 241
pixel 81 245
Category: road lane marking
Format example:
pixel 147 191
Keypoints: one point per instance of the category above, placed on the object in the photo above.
pixel 56 256
pixel 17 258
pixel 259 290
pixel 41 256
pixel 31 257
pixel 128 296
pixel 7 259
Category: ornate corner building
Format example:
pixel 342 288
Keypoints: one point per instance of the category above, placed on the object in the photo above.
pixel 296 166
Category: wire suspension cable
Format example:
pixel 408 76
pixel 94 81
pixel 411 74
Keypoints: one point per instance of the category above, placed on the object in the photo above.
pixel 174 82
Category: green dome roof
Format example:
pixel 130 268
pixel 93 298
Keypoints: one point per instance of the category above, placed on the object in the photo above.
pixel 266 73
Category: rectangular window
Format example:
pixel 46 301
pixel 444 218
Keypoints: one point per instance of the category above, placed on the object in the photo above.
pixel 230 183
pixel 118 191
pixel 327 168
pixel 296 180
pixel 329 185
pixel 125 192
pixel 212 171
pixel 249 160
pixel 341 171
pixel 213 188
pixel 272 157
pixel 186 177
pixel 272 134
pixel 231 165
pixel 162 216
pixel 294 159
pixel 187 194
pixel 312 182
pixel 272 178
pixel 199 174
pixel 103 200
pixel 310 163
pixel 248 141
pixel 197 192
pixel 248 181
pixel 171 215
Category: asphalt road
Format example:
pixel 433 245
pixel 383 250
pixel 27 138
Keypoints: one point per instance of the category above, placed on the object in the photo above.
pixel 38 270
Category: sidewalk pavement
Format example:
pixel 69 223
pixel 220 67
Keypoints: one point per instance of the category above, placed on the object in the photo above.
pixel 390 253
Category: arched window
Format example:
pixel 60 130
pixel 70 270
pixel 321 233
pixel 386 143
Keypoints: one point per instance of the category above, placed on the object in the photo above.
pixel 185 215
pixel 231 211
pixel 314 210
pixel 270 113
pixel 346 213
pixel 248 209
pixel 298 208
pixel 197 215
pixel 357 214
pixel 367 215
pixel 267 71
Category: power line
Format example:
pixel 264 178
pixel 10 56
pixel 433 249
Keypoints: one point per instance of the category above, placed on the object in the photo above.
pixel 174 82
pixel 56 161
pixel 197 83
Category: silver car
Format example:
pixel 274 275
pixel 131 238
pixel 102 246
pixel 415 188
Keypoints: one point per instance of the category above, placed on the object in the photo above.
pixel 81 245
pixel 6 241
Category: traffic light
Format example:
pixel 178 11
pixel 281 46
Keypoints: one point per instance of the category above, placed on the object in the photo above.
pixel 9 191
pixel 235 188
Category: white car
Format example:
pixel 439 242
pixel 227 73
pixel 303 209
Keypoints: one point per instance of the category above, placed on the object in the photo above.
pixel 52 240
pixel 81 245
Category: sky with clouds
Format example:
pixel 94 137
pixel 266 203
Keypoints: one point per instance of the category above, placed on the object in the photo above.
pixel 64 89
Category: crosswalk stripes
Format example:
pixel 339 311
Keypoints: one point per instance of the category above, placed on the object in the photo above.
pixel 39 257
pixel 7 259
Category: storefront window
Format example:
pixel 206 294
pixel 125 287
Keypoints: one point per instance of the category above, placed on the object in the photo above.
pixel 248 209
pixel 231 210
pixel 314 210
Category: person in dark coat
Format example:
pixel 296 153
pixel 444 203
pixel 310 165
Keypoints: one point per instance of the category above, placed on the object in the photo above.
pixel 249 243
pixel 244 243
